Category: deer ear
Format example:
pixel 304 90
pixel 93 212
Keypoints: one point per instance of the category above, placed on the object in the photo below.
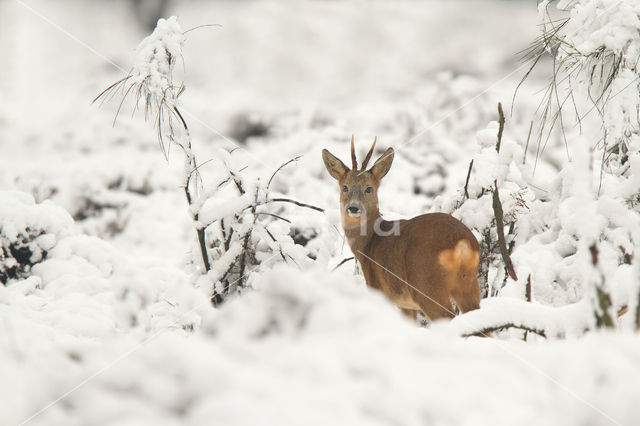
pixel 335 167
pixel 382 164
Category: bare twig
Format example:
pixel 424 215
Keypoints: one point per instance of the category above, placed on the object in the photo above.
pixel 124 96
pixel 281 167
pixel 485 331
pixel 108 90
pixel 603 299
pixel 538 49
pixel 276 241
pixel 184 123
pixel 237 182
pixel 526 147
pixel 275 215
pixel 527 293
pixel 501 124
pixel 498 214
pixel 342 263
pixel 297 203
pixel 466 183
pixel 202 26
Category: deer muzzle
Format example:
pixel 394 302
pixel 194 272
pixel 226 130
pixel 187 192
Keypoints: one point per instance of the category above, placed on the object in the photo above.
pixel 354 209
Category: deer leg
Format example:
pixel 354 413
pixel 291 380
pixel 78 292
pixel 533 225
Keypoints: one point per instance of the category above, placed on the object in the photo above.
pixel 435 305
pixel 410 313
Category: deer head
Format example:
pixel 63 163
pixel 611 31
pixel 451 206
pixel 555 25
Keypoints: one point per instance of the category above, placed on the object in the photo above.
pixel 358 188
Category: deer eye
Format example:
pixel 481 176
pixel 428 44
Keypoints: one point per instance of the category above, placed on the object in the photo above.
pixel 369 190
pixel 344 188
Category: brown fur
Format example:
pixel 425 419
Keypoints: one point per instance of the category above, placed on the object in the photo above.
pixel 432 259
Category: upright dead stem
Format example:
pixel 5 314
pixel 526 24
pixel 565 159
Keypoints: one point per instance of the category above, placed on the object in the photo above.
pixel 151 81
pixel 603 300
pixel 497 207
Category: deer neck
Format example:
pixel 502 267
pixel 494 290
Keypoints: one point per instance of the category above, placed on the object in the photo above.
pixel 360 235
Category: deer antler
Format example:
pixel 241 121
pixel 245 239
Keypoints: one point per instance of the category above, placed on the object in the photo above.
pixel 354 163
pixel 369 154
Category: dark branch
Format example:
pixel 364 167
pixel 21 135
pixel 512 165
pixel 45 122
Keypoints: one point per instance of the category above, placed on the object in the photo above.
pixel 498 214
pixel 108 89
pixel 485 331
pixel 526 147
pixel 184 123
pixel 342 262
pixel 466 182
pixel 297 203
pixel 501 124
pixel 275 215
pixel 281 167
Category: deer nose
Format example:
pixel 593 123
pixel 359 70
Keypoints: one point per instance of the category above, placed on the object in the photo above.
pixel 354 209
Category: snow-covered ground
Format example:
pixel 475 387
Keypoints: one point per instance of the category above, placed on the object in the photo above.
pixel 112 327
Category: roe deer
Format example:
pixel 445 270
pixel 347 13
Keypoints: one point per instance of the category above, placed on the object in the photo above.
pixel 419 263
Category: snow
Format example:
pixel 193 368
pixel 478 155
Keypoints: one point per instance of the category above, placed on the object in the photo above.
pixel 571 319
pixel 111 321
pixel 19 212
pixel 316 347
pixel 604 22
pixel 156 55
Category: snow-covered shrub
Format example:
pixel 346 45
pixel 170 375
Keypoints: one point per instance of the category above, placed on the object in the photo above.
pixel 570 246
pixel 596 51
pixel 28 231
pixel 596 78
pixel 575 235
pixel 234 230
pixel 103 190
pixel 289 303
pixel 99 203
pixel 243 229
